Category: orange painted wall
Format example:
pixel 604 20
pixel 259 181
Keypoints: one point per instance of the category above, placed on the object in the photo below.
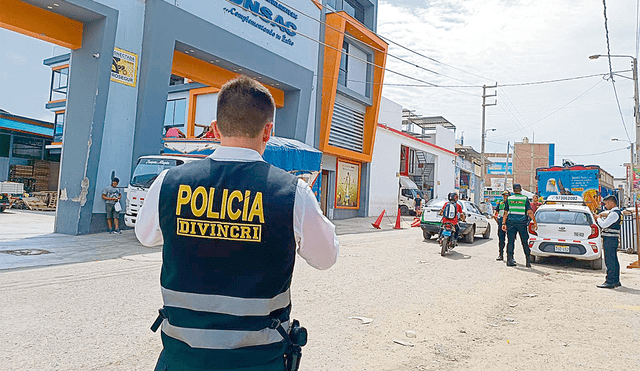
pixel 337 24
pixel 41 24
pixel 211 75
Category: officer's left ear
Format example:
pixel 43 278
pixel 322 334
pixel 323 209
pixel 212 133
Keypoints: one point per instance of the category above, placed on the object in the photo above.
pixel 266 132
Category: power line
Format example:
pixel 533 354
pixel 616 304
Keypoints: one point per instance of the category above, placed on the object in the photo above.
pixel 599 153
pixel 556 110
pixel 606 29
pixel 513 84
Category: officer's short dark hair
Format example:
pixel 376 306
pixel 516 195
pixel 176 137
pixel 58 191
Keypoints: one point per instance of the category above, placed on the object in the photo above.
pixel 517 187
pixel 115 180
pixel 611 198
pixel 244 107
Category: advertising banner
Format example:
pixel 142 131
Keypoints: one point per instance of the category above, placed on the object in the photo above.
pixel 498 168
pixel 124 67
pixel 347 185
pixel 636 178
pixel 576 180
pixel 498 183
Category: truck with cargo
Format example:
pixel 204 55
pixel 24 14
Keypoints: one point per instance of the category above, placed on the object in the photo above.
pixel 590 182
pixel 8 189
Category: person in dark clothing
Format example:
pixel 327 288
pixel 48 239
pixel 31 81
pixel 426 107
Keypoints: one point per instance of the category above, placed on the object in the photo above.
pixel 498 215
pixel 230 226
pixel 610 236
pixel 515 221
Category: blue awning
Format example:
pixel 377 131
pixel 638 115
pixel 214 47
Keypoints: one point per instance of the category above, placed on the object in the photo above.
pixel 292 155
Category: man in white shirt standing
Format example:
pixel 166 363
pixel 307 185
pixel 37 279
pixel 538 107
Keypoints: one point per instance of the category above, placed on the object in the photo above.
pixel 229 226
pixel 610 236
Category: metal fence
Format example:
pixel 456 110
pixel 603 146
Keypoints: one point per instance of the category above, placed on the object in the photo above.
pixel 628 234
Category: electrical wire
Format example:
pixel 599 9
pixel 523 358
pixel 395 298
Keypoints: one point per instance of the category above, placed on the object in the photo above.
pixel 615 91
pixel 599 153
pixel 556 110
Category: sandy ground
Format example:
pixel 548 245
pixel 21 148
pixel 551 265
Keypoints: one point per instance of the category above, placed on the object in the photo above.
pixel 468 312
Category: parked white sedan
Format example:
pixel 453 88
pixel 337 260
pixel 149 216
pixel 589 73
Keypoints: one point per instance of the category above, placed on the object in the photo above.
pixel 476 223
pixel 566 228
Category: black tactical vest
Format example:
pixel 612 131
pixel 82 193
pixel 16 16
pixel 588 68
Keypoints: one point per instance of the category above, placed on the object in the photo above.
pixel 227 262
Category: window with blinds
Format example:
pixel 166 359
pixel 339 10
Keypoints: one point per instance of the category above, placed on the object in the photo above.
pixel 347 128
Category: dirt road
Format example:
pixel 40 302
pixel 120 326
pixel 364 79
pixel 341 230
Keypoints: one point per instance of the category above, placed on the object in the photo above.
pixel 468 312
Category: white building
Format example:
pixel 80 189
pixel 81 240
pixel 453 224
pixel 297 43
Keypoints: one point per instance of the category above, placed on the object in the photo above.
pixel 397 153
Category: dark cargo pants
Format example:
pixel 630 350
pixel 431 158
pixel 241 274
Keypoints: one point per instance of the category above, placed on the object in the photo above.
pixel 520 228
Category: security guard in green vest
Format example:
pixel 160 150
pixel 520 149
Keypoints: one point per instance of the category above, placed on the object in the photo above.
pixel 515 220
pixel 231 225
pixel 499 214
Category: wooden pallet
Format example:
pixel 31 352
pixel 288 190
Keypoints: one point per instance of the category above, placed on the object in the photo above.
pixel 35 203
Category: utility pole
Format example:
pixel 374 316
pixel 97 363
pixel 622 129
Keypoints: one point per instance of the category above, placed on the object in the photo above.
pixel 506 169
pixel 484 104
pixel 636 113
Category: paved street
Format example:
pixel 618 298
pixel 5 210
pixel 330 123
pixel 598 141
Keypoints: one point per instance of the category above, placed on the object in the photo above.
pixel 467 310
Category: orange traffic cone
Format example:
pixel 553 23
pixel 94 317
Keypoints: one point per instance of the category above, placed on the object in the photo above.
pixel 376 224
pixel 416 222
pixel 397 226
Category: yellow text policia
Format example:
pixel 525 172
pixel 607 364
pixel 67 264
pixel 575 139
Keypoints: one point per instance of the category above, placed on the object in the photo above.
pixel 244 208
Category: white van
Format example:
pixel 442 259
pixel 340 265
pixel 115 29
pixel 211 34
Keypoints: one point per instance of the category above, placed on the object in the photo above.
pixel 407 195
pixel 147 170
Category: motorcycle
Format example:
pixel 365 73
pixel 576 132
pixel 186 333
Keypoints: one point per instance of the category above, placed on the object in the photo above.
pixel 447 240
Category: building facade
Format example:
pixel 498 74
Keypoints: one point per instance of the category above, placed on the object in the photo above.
pixel 522 164
pixel 322 62
pixel 398 152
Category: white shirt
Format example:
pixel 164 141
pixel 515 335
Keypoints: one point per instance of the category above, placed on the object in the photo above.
pixel 314 233
pixel 609 220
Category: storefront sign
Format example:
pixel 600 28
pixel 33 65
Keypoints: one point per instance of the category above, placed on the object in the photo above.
pixel 347 185
pixel 271 22
pixel 124 67
pixel 498 168
pixel 636 178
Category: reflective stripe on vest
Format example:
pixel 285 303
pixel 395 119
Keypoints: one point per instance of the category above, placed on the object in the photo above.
pixel 614 229
pixel 222 339
pixel 517 204
pixel 501 209
pixel 221 304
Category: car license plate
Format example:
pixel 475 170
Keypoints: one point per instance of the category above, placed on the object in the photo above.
pixel 446 233
pixel 562 248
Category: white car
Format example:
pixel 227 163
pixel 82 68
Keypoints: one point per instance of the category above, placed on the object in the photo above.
pixel 566 228
pixel 476 223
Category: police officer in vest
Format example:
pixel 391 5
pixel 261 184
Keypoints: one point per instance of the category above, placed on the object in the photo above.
pixel 610 235
pixel 229 225
pixel 499 214
pixel 515 221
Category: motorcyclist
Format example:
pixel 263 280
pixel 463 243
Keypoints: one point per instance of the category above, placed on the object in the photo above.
pixel 453 200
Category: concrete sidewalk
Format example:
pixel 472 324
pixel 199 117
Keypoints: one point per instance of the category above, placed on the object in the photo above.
pixel 27 240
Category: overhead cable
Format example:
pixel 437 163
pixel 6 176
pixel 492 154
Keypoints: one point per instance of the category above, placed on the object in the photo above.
pixel 615 91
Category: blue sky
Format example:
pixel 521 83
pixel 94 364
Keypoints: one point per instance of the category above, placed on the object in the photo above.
pixel 507 41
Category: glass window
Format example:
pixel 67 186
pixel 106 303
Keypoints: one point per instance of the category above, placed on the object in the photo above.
pixel 354 9
pixel 439 203
pixel 563 217
pixel 5 141
pixel 59 83
pixel 407 193
pixel 174 115
pixel 148 170
pixel 27 147
pixel 59 127
pixel 342 74
pixel 176 80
